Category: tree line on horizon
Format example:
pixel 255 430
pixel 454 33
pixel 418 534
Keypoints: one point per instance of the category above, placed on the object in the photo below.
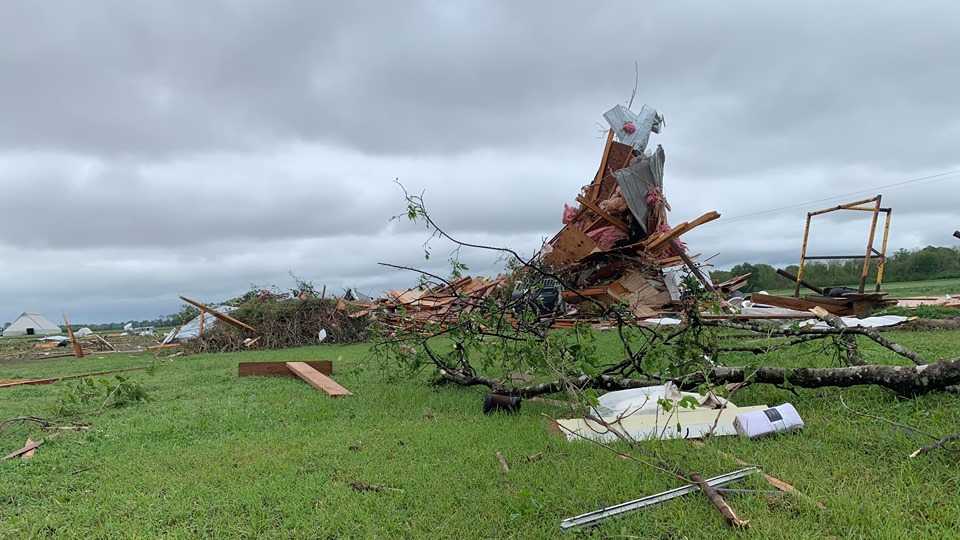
pixel 931 262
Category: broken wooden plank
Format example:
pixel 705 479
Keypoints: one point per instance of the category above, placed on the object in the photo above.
pixel 667 236
pixel 68 377
pixel 29 453
pixel 571 245
pixel 317 380
pixel 279 369
pixel 606 217
pixel 77 349
pixel 794 279
pixel 221 316
pixel 26 448
pixel 680 229
pixel 801 304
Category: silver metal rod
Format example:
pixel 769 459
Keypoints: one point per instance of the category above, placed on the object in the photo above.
pixel 599 515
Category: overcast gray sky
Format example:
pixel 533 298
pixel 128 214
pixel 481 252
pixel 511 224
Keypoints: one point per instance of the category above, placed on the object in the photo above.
pixel 149 149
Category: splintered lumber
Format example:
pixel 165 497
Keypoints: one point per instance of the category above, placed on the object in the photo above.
pixel 680 229
pixel 317 380
pixel 279 369
pixel 68 377
pixel 606 217
pixel 77 349
pixel 663 238
pixel 29 453
pixel 571 245
pixel 221 316
pixel 30 446
pixel 837 308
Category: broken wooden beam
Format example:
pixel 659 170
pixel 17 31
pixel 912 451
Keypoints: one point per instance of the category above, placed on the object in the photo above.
pixel 221 316
pixel 30 446
pixel 68 377
pixel 77 349
pixel 606 217
pixel 317 380
pixel 279 369
pixel 793 279
pixel 837 308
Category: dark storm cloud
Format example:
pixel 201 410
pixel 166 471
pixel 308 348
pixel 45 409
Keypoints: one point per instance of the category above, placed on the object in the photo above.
pixel 149 148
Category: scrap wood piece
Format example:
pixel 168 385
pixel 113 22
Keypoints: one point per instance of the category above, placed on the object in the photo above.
pixel 105 342
pixel 777 483
pixel 616 222
pixel 29 453
pixel 317 380
pixel 571 245
pixel 77 349
pixel 660 239
pixel 221 316
pixel 592 518
pixel 801 304
pixel 681 229
pixel 279 369
pixel 503 463
pixel 68 377
pixel 733 283
pixel 720 503
pixel 31 445
pixel 794 279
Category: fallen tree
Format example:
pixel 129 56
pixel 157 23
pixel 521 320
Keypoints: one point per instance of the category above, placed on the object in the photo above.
pixel 501 335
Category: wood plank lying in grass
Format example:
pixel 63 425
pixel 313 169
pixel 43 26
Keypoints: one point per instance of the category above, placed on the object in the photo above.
pixel 67 377
pixel 30 446
pixel 279 369
pixel 318 380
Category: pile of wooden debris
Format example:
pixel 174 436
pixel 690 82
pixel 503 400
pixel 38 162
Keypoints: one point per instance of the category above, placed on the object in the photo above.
pixel 617 245
pixel 418 306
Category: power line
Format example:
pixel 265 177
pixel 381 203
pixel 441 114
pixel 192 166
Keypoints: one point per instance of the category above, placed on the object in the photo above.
pixel 896 185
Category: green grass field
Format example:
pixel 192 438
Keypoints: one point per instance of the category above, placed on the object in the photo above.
pixel 214 455
pixel 905 289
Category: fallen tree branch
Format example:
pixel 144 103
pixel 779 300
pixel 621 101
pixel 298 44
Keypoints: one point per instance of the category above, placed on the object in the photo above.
pixel 848 341
pixel 905 380
pixel 941 443
pixel 720 503
pixel 776 331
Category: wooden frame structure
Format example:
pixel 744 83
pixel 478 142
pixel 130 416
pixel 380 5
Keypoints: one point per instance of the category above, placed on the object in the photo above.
pixel 871 253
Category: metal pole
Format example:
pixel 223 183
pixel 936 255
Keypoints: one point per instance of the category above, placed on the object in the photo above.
pixel 803 254
pixel 866 261
pixel 599 515
pixel 883 248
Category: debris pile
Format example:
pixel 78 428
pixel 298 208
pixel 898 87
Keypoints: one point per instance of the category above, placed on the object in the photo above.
pixel 617 244
pixel 415 308
pixel 269 321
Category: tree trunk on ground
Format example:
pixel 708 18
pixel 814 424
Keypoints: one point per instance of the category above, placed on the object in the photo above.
pixel 905 380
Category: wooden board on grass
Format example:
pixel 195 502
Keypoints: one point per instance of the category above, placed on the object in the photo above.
pixel 318 380
pixel 279 369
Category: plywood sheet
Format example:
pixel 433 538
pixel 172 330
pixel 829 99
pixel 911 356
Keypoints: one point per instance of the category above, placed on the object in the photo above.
pixel 318 380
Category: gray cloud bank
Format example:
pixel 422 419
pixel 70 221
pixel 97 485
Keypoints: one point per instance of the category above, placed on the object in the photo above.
pixel 150 149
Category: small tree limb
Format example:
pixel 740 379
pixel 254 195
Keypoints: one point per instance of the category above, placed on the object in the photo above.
pixel 720 503
pixel 848 341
